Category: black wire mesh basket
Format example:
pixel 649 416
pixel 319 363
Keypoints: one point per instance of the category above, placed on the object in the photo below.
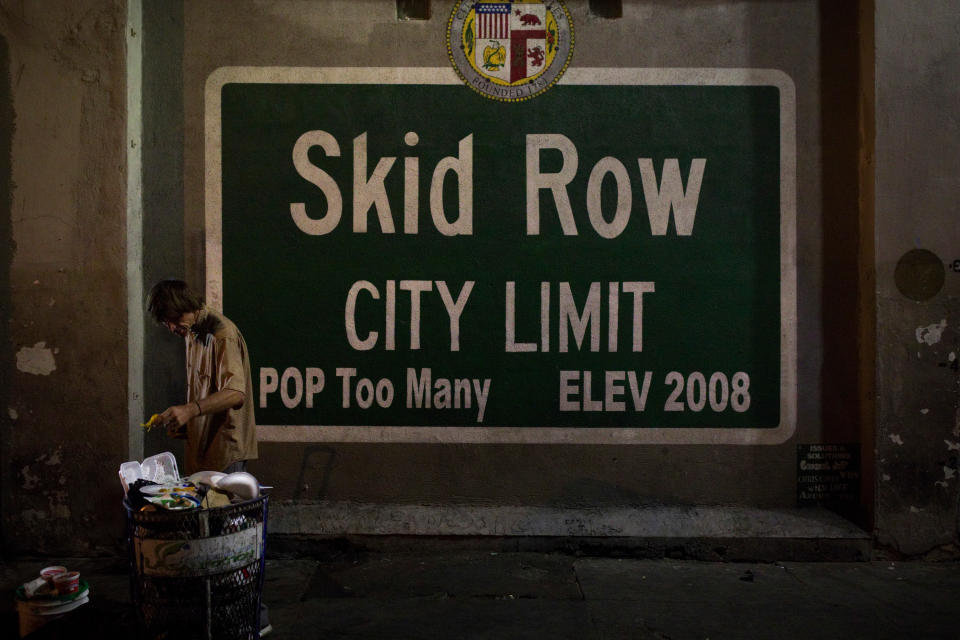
pixel 198 573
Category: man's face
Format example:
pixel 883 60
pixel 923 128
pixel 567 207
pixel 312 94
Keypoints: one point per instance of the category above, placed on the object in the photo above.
pixel 180 325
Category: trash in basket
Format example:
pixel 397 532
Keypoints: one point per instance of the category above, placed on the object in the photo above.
pixel 198 573
pixel 159 468
pixel 196 548
pixel 156 481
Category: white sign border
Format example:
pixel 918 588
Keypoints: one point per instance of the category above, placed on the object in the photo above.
pixel 529 435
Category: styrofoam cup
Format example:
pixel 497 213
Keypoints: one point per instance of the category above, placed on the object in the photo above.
pixel 67 583
pixel 49 573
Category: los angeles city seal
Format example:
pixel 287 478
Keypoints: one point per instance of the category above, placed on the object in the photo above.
pixel 510 51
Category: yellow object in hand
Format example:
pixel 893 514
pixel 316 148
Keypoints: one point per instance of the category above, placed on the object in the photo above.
pixel 152 422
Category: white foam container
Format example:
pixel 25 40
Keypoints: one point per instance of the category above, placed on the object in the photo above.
pixel 160 468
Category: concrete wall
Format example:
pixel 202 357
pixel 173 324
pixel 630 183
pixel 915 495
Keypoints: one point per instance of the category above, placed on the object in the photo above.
pixel 64 412
pixel 918 276
pixel 776 35
pixel 64 419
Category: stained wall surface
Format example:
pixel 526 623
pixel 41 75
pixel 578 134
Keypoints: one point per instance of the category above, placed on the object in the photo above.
pixel 918 276
pixel 65 417
pixel 64 352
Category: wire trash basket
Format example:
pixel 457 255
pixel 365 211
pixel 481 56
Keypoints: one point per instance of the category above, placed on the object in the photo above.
pixel 198 573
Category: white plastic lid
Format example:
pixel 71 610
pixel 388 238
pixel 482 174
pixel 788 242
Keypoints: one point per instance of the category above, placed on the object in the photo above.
pixel 160 468
pixel 130 472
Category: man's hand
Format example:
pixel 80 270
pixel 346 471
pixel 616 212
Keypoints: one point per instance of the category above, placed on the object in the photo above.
pixel 175 418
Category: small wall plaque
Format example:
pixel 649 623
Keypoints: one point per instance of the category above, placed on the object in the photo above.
pixel 828 474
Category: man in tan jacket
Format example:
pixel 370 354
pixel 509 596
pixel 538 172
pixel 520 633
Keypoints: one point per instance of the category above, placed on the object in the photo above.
pixel 217 419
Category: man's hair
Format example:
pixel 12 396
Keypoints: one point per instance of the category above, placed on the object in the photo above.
pixel 172 298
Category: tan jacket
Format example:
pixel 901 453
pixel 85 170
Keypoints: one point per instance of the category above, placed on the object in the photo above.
pixel 216 361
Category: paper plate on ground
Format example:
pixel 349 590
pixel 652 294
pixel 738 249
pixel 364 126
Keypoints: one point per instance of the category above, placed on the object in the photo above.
pixel 54 611
pixel 54 599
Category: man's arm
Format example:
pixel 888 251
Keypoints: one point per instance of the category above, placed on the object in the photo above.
pixel 220 401
pixel 178 415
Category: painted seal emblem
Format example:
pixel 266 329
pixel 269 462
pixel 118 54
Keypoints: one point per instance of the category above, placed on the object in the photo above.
pixel 510 51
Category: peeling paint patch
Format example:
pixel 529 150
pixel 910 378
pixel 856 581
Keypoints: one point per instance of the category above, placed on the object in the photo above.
pixel 56 457
pixel 36 360
pixel 896 439
pixel 58 504
pixel 952 446
pixel 932 333
pixel 924 411
pixel 30 481
pixel 885 477
pixel 948 474
pixel 913 509
pixel 49 459
pixel 12 413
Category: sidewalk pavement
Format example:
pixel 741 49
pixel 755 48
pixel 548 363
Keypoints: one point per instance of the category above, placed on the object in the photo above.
pixel 463 593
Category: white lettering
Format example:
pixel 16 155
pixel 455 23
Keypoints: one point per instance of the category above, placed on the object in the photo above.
pixel 591 317
pixel 482 392
pixel 415 287
pixel 349 313
pixel 425 392
pixel 418 395
pixel 570 317
pixel 314 384
pixel 615 389
pixel 291 374
pixel 612 400
pixel 568 387
pixel 621 216
pixel 345 373
pixel 320 178
pixel 454 309
pixel 638 289
pixel 269 379
pixel 671 193
pixel 411 187
pixel 512 346
pixel 369 192
pixel 462 167
pixel 556 182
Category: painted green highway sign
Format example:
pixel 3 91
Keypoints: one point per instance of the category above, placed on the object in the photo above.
pixel 612 261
